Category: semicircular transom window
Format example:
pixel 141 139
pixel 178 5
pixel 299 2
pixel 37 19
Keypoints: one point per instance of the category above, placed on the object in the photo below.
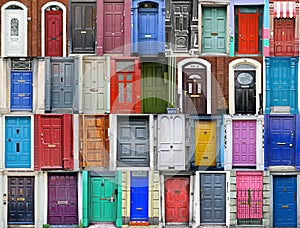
pixel 148 5
pixel 13 7
pixel 245 78
pixel 195 76
pixel 53 8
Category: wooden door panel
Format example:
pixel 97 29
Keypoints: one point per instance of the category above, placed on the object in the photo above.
pixel 53 33
pixel 248 33
pixel 284 36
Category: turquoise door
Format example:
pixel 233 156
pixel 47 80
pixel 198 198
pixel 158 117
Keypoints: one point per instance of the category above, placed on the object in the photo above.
pixel 214 30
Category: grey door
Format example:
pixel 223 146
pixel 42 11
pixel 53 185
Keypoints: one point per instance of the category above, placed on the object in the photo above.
pixel 212 198
pixel 133 142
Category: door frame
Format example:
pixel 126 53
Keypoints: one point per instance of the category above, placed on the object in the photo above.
pixel 228 151
pixel 197 195
pixel 258 74
pixel 162 176
pixel 3 23
pixel 64 9
pixel 283 174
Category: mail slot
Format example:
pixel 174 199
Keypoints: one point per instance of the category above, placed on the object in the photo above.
pixel 21 95
pixel 139 208
pixel 51 145
pixel 62 202
pixel 82 32
pixel 147 36
pixel 284 206
pixel 194 95
pixel 21 81
pixel 214 34
pixel 20 199
pixel 102 198
pixel 53 38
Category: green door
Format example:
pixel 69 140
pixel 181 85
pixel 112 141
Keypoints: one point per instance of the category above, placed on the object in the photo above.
pixel 103 199
pixel 214 30
pixel 155 88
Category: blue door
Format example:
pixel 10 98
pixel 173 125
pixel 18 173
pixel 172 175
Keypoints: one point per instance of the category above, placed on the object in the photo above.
pixel 148 29
pixel 17 142
pixel 139 196
pixel 285 201
pixel 21 90
pixel 282 140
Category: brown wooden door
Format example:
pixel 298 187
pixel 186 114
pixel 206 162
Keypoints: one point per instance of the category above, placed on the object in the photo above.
pixel 113 27
pixel 53 33
pixel 94 143
pixel 194 86
pixel 284 36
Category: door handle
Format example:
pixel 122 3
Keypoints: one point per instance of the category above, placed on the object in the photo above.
pixel 202 195
pixel 295 196
pixel 281 143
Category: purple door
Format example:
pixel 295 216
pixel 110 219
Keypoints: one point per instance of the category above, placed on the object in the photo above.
pixel 62 199
pixel 244 143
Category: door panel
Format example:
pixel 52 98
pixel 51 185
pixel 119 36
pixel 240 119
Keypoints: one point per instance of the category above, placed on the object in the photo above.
pixel 62 199
pixel 54 32
pixel 177 199
pixel 20 200
pixel 171 136
pixel 103 199
pixel 113 27
pixel 284 36
pixel 244 143
pixel 83 27
pixel 94 87
pixel 21 91
pixel 214 30
pixel 133 142
pixel 139 196
pixel 212 203
pixel 285 201
pixel 18 142
pixel 51 142
pixel 155 89
pixel 148 31
pixel 282 140
pixel 205 140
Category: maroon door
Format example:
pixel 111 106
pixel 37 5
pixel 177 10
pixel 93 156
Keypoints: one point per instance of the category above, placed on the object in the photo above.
pixel 62 199
pixel 284 37
pixel 53 33
pixel 113 27
pixel 244 143
pixel 20 200
pixel 248 33
pixel 177 199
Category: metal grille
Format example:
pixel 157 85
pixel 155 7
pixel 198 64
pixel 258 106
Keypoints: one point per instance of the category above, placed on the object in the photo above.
pixel 21 64
pixel 249 207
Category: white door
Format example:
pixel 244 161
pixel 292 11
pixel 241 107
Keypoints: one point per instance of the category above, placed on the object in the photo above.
pixel 14 34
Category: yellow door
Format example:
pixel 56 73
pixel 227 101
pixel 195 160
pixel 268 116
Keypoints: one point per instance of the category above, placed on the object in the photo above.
pixel 205 143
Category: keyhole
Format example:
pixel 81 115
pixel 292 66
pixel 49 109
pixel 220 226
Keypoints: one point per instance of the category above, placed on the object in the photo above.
pixel 18 131
pixel 205 132
pixel 18 147
pixel 284 189
pixel 102 184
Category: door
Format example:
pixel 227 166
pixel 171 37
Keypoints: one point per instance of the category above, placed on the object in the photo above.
pixel 213 195
pixel 282 140
pixel 18 142
pixel 247 34
pixel 155 88
pixel 62 199
pixel 21 91
pixel 181 13
pixel 177 199
pixel 113 27
pixel 285 201
pixel 50 138
pixel 284 36
pixel 94 142
pixel 195 88
pixel 139 196
pixel 245 92
pixel 20 201
pixel 133 142
pixel 83 27
pixel 15 31
pixel 148 29
pixel 171 147
pixel 205 140
pixel 244 143
pixel 214 30
pixel 54 32
pixel 94 86
pixel 103 196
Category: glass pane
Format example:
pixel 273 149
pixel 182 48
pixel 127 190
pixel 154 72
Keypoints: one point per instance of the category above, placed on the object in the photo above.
pixel 126 65
pixel 244 66
pixel 129 92
pixel 121 92
pixel 199 87
pixel 190 87
pixel 248 10
pixel 244 78
pixel 129 77
pixel 120 77
pixel 14 27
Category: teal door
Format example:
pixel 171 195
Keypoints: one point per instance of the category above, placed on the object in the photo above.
pixel 214 30
pixel 103 195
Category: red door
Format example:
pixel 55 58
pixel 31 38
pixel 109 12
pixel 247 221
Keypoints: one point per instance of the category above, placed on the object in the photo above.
pixel 248 33
pixel 53 33
pixel 284 37
pixel 125 88
pixel 177 199
pixel 113 27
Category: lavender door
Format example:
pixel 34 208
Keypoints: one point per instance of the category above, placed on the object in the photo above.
pixel 62 199
pixel 244 143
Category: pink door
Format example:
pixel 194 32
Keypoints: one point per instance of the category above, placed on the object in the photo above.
pixel 244 143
